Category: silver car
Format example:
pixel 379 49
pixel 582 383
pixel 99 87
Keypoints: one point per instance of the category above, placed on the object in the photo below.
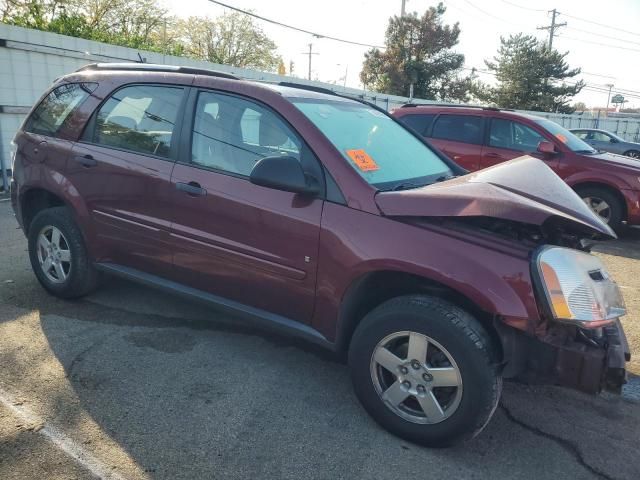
pixel 608 142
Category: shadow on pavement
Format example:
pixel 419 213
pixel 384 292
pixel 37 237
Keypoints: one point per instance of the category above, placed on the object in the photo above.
pixel 187 401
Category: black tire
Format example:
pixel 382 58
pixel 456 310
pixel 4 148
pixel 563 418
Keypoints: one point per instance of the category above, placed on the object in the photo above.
pixel 633 154
pixel 616 206
pixel 459 333
pixel 82 276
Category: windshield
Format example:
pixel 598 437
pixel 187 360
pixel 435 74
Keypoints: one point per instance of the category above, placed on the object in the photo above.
pixel 383 152
pixel 574 143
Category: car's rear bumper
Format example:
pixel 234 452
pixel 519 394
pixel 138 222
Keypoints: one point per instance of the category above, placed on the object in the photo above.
pixel 566 356
pixel 632 200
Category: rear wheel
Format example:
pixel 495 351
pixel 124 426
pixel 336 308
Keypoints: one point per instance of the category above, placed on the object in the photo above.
pixel 58 254
pixel 604 204
pixel 425 370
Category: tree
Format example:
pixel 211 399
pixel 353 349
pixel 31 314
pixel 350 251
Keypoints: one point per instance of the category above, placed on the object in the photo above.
pixel 530 77
pixel 418 51
pixel 579 107
pixel 232 39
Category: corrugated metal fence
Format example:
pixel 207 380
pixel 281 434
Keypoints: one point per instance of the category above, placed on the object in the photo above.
pixel 30 60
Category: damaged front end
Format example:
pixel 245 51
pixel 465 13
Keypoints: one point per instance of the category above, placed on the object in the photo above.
pixel 578 340
pixel 586 360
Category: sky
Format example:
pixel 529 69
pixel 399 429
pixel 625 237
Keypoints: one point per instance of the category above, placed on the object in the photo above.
pixel 608 53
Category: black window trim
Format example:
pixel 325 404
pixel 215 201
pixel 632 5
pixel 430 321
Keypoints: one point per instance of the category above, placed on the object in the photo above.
pixel 483 134
pixel 89 131
pixel 308 158
pixel 29 120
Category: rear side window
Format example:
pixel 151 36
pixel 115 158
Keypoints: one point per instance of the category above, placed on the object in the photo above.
pixel 421 123
pixel 56 107
pixel 459 128
pixel 140 118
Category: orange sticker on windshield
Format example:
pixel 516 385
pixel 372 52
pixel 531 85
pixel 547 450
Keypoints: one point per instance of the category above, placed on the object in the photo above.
pixel 362 160
pixel 561 137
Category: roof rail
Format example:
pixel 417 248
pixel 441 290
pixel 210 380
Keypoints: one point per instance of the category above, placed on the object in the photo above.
pixel 152 67
pixel 311 88
pixel 456 105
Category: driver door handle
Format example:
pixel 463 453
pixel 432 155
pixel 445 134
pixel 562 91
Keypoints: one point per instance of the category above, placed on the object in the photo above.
pixel 193 189
pixel 86 160
pixel 492 155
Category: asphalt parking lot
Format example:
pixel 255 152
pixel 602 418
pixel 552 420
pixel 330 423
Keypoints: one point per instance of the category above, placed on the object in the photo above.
pixel 132 383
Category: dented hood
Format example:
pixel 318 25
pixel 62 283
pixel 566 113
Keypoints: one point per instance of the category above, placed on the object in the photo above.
pixel 522 190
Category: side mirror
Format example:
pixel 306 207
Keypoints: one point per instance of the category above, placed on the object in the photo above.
pixel 547 148
pixel 283 173
pixel 613 140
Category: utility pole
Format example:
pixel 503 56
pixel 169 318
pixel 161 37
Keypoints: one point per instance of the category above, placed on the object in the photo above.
pixel 402 10
pixel 553 27
pixel 310 52
pixel 610 85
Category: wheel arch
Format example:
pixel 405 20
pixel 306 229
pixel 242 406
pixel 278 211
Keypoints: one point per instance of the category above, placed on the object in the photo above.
pixel 605 186
pixel 374 288
pixel 36 199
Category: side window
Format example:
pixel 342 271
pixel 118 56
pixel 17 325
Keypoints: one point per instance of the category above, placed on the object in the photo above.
pixel 459 128
pixel 231 134
pixel 581 134
pixel 56 107
pixel 601 137
pixel 421 123
pixel 140 118
pixel 513 136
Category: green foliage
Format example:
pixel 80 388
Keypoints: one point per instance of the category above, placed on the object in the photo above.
pixel 418 51
pixel 143 24
pixel 231 39
pixel 530 77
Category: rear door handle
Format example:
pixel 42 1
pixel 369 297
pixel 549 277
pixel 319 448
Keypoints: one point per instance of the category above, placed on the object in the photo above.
pixel 86 160
pixel 193 189
pixel 492 155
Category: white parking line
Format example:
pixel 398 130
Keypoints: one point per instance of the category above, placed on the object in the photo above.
pixel 59 439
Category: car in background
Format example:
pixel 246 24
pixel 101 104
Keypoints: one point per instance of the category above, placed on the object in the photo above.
pixel 607 142
pixel 480 137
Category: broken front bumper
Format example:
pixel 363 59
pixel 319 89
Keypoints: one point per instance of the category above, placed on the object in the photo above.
pixel 586 361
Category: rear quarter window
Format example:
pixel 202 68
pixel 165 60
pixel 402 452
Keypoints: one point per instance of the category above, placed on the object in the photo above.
pixel 56 107
pixel 459 128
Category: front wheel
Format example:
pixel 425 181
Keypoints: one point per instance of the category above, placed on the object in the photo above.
pixel 632 154
pixel 604 204
pixel 425 370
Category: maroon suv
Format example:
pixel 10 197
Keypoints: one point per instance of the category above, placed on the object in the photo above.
pixel 324 217
pixel 477 138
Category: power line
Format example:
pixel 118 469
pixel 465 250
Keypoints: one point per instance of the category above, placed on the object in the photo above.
pixel 490 14
pixel 275 22
pixel 603 35
pixel 601 44
pixel 601 24
pixel 523 7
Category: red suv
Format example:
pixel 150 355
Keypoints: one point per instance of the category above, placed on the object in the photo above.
pixel 324 217
pixel 477 138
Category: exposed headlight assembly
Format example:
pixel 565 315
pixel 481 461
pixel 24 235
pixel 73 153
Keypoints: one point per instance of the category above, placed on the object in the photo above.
pixel 578 288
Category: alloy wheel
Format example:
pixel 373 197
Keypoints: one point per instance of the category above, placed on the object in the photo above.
pixel 416 377
pixel 54 254
pixel 599 206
